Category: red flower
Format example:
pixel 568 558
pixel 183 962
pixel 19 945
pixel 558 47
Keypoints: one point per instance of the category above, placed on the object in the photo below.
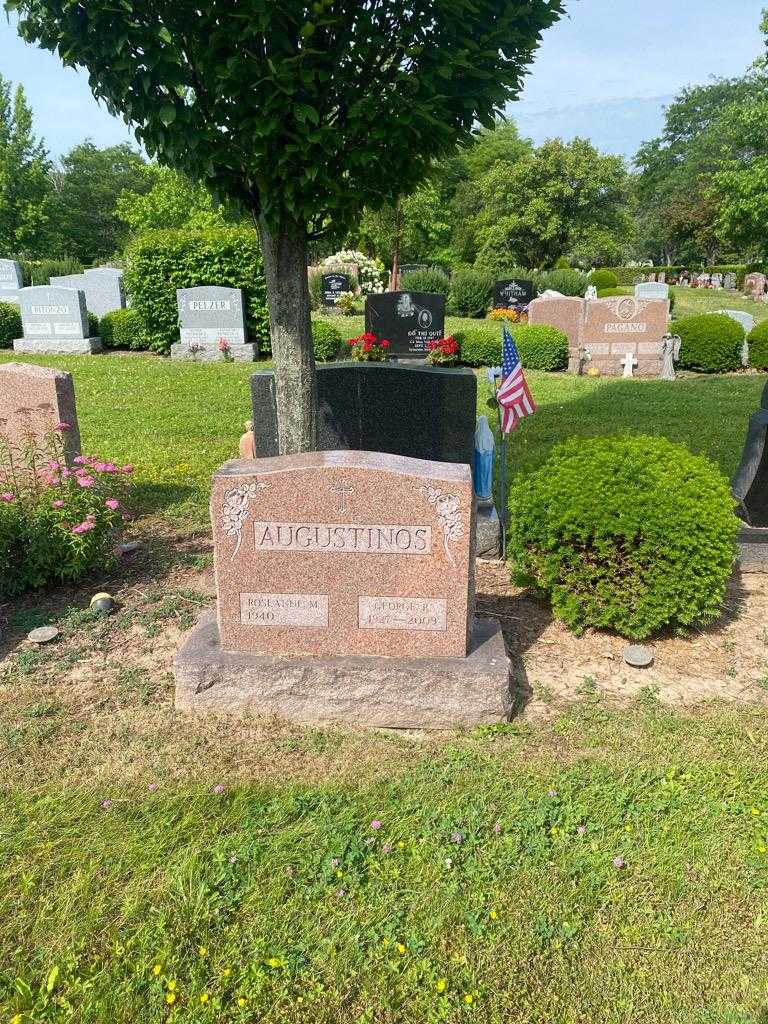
pixel 367 346
pixel 385 344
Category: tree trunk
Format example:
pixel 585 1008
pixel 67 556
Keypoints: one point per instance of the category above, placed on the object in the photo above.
pixel 394 278
pixel 285 269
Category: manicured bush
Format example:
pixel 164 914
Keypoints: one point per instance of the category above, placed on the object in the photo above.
pixel 632 534
pixel 122 328
pixel 609 293
pixel 10 324
pixel 603 279
pixel 471 292
pixel 93 325
pixel 541 347
pixel 327 340
pixel 567 282
pixel 758 346
pixel 563 263
pixel 432 280
pixel 56 525
pixel 711 342
pixel 159 262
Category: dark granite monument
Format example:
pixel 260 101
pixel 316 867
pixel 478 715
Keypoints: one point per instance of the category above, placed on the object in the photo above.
pixel 511 293
pixel 408 320
pixel 332 287
pixel 750 484
pixel 421 412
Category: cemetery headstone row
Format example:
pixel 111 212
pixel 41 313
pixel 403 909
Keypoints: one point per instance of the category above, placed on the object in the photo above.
pixel 103 287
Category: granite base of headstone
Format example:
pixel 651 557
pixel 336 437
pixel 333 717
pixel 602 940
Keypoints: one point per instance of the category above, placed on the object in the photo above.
pixel 55 322
pixel 345 593
pixel 487 530
pixel 213 326
pixel 753 550
pixel 750 484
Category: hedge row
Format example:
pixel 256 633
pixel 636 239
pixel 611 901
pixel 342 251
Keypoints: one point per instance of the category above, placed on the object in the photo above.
pixel 541 347
pixel 160 262
pixel 10 324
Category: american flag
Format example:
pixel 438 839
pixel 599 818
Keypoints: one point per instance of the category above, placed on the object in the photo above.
pixel 513 395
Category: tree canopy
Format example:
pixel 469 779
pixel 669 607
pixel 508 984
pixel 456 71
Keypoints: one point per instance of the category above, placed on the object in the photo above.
pixel 24 183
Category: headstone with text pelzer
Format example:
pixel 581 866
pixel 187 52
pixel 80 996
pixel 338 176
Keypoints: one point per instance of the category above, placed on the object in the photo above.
pixel 212 325
pixel 333 285
pixel 408 320
pixel 345 592
pixel 34 401
pixel 511 293
pixel 55 321
pixel 618 328
pixel 11 281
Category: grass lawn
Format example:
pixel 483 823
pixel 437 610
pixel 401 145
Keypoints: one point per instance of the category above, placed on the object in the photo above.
pixel 691 301
pixel 607 865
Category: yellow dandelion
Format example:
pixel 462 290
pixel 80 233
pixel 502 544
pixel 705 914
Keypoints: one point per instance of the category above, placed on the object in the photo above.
pixel 242 1001
pixel 401 845
pixel 157 969
pixel 226 972
pixel 442 984
pixel 203 951
pixel 385 942
pixel 204 997
pixel 16 1019
pixel 469 999
pixel 755 810
pixel 171 986
pixel 494 916
pixel 170 998
pixel 300 999
pixel 400 948
pixel 274 962
pixel 339 874
pixel 761 849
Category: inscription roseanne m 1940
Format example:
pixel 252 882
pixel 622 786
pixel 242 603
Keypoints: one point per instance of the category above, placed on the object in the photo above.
pixel 311 611
pixel 306 610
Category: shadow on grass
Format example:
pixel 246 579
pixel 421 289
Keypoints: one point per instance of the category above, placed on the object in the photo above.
pixel 149 499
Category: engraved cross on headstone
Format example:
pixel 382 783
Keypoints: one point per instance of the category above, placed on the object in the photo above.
pixel 342 490
pixel 629 362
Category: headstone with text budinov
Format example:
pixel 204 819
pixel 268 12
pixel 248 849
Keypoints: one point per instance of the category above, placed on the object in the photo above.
pixel 333 285
pixel 408 320
pixel 212 325
pixel 617 327
pixel 35 401
pixel 11 281
pixel 345 592
pixel 55 321
pixel 510 293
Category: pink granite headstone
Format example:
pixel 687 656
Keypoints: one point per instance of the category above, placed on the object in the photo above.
pixel 623 326
pixel 754 285
pixel 34 400
pixel 565 313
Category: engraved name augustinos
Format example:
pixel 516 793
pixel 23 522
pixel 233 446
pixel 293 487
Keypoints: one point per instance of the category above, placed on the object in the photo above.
pixel 344 538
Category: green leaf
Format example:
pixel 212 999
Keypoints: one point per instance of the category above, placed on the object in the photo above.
pixel 168 114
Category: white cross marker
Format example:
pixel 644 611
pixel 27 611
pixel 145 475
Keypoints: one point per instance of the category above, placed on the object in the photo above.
pixel 629 362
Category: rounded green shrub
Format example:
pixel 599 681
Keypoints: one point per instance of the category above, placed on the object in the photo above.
pixel 327 340
pixel 480 344
pixel 563 263
pixel 711 342
pixel 609 293
pixel 471 292
pixel 567 282
pixel 122 328
pixel 758 346
pixel 632 534
pixel 432 280
pixel 10 324
pixel 541 347
pixel 603 279
pixel 159 262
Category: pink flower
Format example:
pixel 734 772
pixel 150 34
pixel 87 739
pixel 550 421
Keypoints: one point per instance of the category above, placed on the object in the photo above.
pixel 375 825
pixel 57 504
pixel 112 503
pixel 618 863
pixel 218 789
pixel 497 827
pixel 83 527
pixel 106 804
pixel 79 460
pixel 152 787
pixel 62 427
pixel 127 469
pixel 7 496
pixel 86 481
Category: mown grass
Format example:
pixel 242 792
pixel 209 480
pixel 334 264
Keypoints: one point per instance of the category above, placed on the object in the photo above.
pixel 178 422
pixel 616 874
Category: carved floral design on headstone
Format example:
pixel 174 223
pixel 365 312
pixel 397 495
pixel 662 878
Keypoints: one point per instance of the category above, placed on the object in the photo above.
pixel 448 510
pixel 236 509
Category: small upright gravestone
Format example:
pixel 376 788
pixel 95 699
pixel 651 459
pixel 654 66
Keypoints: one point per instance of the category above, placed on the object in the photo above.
pixel 652 290
pixel 345 593
pixel 511 293
pixel 333 285
pixel 212 325
pixel 103 286
pixel 11 281
pixel 750 484
pixel 34 402
pixel 408 320
pixel 55 321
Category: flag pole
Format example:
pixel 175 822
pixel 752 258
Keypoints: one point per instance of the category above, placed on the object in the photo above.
pixel 502 485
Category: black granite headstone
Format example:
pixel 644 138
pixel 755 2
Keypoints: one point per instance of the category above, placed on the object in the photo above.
pixel 413 268
pixel 408 320
pixel 332 287
pixel 422 412
pixel 512 292
pixel 750 484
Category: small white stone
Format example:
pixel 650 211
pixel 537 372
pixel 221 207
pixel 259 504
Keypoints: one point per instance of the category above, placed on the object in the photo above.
pixel 43 635
pixel 638 656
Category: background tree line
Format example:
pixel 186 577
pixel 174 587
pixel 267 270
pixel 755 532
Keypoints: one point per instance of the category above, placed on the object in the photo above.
pixel 697 194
